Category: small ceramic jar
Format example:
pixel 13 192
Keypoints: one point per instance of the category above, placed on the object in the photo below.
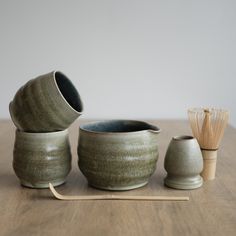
pixel 183 163
pixel 40 158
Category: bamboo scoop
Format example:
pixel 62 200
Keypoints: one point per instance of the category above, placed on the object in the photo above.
pixel 208 127
pixel 115 197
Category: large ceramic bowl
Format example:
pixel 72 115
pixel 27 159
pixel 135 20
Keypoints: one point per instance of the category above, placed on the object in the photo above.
pixel 118 154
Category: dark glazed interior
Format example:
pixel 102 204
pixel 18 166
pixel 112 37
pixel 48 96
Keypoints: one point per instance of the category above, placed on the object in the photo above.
pixel 184 137
pixel 118 126
pixel 69 91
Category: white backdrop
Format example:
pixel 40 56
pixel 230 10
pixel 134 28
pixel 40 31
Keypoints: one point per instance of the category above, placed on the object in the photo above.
pixel 128 58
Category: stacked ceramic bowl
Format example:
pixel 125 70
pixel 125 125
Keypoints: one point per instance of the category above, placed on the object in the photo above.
pixel 42 110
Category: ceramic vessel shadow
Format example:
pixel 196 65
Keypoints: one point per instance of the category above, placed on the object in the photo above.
pixel 47 103
pixel 40 158
pixel 118 154
pixel 183 163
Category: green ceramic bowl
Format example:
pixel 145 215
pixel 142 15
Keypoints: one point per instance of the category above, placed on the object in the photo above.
pixel 40 158
pixel 47 103
pixel 118 154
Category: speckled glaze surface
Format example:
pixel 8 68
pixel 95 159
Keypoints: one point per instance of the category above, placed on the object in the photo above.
pixel 183 163
pixel 47 103
pixel 40 158
pixel 118 154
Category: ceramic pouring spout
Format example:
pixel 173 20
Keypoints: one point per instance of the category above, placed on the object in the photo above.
pixel 154 129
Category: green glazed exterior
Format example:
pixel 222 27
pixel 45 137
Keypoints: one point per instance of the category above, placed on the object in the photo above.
pixel 40 158
pixel 183 163
pixel 40 106
pixel 118 160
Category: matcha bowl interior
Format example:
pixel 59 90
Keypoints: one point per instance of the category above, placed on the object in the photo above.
pixel 118 154
pixel 119 126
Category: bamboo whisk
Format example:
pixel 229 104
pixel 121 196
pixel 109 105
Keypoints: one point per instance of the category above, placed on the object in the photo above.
pixel 208 127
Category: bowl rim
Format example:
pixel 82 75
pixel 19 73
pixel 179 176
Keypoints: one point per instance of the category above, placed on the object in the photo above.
pixel 41 134
pixel 54 73
pixel 152 129
pixel 183 138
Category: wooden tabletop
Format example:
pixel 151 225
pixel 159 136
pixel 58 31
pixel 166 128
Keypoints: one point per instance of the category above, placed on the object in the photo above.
pixel 210 211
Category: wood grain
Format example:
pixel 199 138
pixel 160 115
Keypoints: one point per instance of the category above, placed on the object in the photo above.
pixel 211 210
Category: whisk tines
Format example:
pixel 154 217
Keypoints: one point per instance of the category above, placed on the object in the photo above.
pixel 208 126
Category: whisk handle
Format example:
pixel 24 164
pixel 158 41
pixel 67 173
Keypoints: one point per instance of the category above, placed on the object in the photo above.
pixel 209 164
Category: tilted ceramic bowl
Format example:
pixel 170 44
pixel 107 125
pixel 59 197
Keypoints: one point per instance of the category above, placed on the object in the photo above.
pixel 40 158
pixel 47 103
pixel 118 154
pixel 183 163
